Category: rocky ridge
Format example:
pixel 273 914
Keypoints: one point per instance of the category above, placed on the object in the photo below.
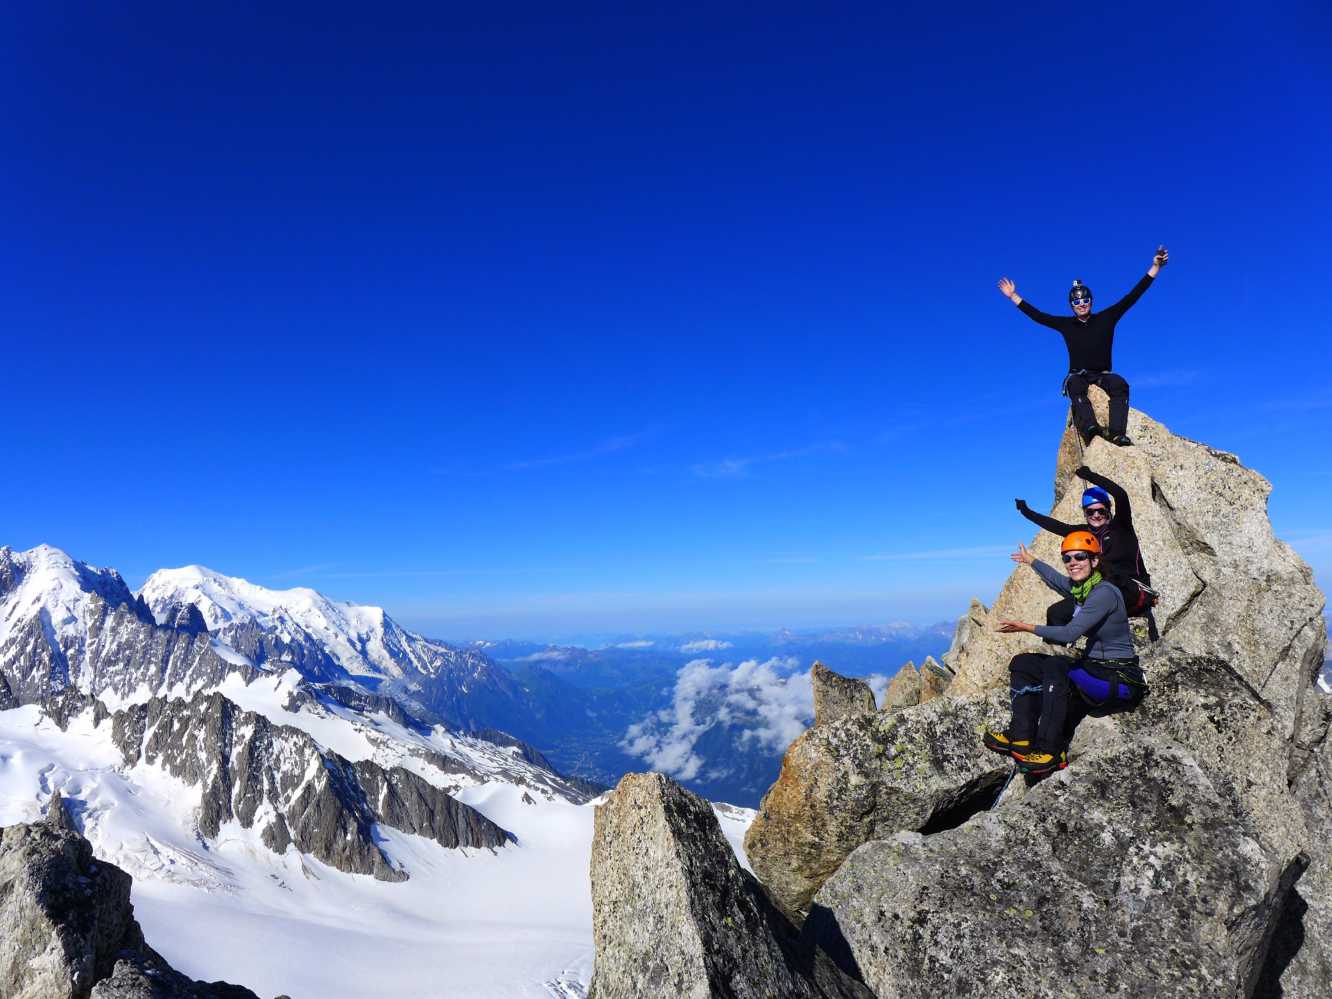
pixel 280 779
pixel 1184 852
pixel 70 931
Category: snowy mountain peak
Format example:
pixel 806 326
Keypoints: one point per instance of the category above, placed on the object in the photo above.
pixel 360 640
pixel 45 582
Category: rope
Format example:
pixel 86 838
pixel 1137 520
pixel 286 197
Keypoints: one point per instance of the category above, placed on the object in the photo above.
pixel 1012 773
pixel 1015 692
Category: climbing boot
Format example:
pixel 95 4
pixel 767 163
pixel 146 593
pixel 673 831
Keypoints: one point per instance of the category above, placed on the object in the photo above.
pixel 1000 742
pixel 1039 761
pixel 1120 440
pixel 1090 434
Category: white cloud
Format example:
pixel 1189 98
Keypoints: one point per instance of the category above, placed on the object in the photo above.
pixel 767 703
pixel 642 643
pixel 544 655
pixel 705 645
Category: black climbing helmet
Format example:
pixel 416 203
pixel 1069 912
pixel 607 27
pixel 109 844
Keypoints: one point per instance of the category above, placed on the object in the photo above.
pixel 1079 292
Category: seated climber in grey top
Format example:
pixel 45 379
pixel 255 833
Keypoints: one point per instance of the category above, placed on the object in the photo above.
pixel 1107 674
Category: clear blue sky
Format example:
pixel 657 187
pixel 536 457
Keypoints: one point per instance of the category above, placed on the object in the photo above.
pixel 528 321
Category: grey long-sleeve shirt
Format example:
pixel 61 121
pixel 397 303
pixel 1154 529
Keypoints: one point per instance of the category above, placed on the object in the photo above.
pixel 1102 618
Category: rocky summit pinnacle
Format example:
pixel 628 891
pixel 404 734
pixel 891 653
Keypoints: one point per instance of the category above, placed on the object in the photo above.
pixel 837 697
pixel 1184 852
pixel 675 915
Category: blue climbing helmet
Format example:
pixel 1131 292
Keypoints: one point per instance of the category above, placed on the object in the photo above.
pixel 1094 495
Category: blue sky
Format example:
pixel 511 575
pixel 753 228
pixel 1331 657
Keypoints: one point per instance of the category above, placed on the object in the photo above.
pixel 522 321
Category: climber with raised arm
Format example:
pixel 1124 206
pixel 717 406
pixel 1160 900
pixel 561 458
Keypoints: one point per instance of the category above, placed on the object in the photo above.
pixel 1107 674
pixel 1090 336
pixel 1121 557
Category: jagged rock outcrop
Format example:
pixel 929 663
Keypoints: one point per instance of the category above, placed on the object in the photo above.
pixel 1228 587
pixel 674 914
pixel 69 928
pixel 1187 849
pixel 904 690
pixel 837 697
pixel 866 777
pixel 255 772
pixel 65 624
pixel 934 680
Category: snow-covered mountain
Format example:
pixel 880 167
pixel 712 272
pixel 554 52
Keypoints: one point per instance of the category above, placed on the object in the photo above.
pixel 280 811
pixel 334 641
pixel 66 624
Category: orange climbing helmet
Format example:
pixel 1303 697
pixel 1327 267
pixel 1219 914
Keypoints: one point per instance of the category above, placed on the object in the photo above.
pixel 1080 541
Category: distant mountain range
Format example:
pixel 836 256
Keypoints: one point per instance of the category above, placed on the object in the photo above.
pixel 65 624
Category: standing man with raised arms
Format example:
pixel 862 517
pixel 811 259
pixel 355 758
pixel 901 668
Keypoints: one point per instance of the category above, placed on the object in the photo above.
pixel 1089 337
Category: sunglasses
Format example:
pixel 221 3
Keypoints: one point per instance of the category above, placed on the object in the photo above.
pixel 1076 557
pixel 1082 301
pixel 1096 511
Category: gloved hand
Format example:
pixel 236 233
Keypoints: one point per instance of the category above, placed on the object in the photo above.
pixel 1021 505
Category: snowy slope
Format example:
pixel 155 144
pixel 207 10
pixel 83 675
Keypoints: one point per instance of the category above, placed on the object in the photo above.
pixel 511 922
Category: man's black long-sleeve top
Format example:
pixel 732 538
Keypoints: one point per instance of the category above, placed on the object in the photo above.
pixel 1121 559
pixel 1089 343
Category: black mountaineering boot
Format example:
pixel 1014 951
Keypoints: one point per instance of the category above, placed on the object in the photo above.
pixel 1090 434
pixel 1121 440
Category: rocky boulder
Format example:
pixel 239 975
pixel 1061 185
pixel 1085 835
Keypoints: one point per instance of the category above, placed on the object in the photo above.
pixel 1131 875
pixel 865 777
pixel 934 679
pixel 837 697
pixel 69 926
pixel 674 914
pixel 904 690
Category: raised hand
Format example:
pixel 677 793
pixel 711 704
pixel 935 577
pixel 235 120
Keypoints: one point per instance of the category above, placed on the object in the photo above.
pixel 1021 505
pixel 1162 256
pixel 1007 287
pixel 1022 555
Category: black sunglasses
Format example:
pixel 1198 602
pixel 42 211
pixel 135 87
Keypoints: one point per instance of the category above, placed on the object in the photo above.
pixel 1096 509
pixel 1076 557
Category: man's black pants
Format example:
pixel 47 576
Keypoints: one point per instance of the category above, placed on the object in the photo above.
pixel 1115 387
pixel 1039 688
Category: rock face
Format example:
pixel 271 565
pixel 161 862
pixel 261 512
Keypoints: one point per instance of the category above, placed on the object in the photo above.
pixel 675 914
pixel 1187 849
pixel 866 777
pixel 255 772
pixel 837 697
pixel 69 928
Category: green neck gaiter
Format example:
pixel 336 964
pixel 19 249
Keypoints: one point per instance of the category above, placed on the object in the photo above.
pixel 1081 590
